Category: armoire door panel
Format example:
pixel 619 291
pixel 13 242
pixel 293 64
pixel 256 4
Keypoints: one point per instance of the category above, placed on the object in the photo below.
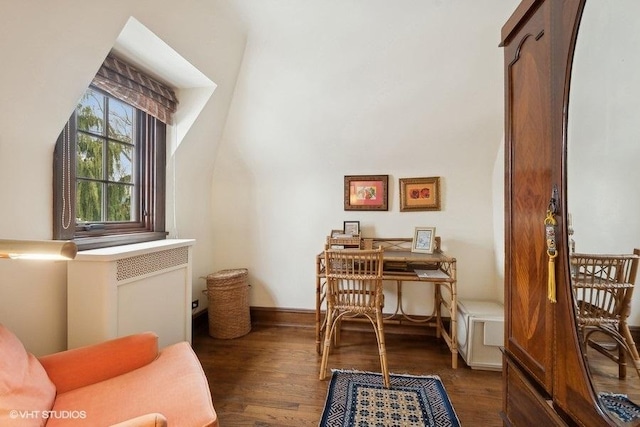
pixel 530 324
pixel 523 404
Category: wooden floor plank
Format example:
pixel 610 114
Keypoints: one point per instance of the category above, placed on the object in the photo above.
pixel 270 376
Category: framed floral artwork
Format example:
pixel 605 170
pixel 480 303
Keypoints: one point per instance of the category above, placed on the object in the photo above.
pixel 420 194
pixel 366 192
pixel 424 239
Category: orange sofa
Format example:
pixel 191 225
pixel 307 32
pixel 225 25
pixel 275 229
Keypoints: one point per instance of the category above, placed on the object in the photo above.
pixel 123 382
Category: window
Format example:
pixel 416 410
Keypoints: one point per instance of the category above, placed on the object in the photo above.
pixel 107 150
pixel 109 165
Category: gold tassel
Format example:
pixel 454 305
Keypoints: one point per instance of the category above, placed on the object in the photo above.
pixel 550 223
pixel 551 291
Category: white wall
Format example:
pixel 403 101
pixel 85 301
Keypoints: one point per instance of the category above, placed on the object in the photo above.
pixel 337 88
pixel 603 148
pixel 325 89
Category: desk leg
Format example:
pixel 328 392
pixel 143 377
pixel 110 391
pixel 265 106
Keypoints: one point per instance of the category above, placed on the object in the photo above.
pixel 454 326
pixel 399 298
pixel 437 300
pixel 398 302
pixel 450 336
pixel 318 316
pixel 319 300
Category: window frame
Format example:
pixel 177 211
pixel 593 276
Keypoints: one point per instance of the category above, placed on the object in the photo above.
pixel 150 197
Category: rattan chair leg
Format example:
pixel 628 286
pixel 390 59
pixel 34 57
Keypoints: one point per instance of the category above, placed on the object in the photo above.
pixel 618 350
pixel 626 333
pixel 382 349
pixel 327 342
pixel 622 362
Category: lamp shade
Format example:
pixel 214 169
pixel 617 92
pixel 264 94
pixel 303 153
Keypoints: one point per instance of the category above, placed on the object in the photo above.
pixel 38 249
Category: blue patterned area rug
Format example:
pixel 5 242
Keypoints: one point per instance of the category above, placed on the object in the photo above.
pixel 620 406
pixel 359 399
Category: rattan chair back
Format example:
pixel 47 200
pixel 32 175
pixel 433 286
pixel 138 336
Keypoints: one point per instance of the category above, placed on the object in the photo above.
pixel 603 287
pixel 354 288
pixel 354 279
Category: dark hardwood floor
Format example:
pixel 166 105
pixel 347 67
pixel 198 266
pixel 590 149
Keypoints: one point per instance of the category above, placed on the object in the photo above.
pixel 604 373
pixel 270 376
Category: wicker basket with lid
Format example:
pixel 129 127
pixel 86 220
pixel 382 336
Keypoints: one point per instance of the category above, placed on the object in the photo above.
pixel 228 295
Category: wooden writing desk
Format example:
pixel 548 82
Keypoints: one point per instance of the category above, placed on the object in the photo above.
pixel 399 266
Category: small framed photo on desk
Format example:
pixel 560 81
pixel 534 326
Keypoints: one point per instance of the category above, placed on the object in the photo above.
pixel 351 227
pixel 424 239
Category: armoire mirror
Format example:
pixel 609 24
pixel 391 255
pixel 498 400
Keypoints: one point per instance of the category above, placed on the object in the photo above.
pixel 603 158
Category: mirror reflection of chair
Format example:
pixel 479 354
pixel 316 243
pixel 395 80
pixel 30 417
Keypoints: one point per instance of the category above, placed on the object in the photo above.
pixel 354 288
pixel 603 287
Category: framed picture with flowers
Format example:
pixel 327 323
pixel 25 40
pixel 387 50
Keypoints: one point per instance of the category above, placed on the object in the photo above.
pixel 420 194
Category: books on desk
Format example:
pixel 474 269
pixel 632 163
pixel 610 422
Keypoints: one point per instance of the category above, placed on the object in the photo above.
pixel 431 274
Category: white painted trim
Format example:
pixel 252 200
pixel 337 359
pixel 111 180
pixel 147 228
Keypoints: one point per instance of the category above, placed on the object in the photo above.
pixel 126 251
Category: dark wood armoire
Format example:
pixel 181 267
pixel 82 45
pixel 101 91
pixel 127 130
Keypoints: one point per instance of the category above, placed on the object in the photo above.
pixel 545 377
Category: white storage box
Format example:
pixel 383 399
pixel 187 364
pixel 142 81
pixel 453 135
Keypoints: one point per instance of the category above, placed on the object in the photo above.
pixel 480 333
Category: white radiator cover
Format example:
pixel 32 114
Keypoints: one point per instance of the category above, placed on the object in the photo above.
pixel 123 290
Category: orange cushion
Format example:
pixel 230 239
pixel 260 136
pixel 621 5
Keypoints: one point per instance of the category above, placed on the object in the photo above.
pixel 94 363
pixel 25 389
pixel 174 385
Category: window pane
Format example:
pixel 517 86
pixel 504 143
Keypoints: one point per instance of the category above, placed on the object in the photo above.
pixel 90 112
pixel 120 162
pixel 89 201
pixel 89 157
pixel 120 120
pixel 119 202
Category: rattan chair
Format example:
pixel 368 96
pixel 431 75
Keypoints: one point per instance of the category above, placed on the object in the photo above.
pixel 603 287
pixel 354 288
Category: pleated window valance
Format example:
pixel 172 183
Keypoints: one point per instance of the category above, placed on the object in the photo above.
pixel 123 81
